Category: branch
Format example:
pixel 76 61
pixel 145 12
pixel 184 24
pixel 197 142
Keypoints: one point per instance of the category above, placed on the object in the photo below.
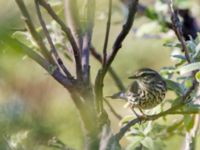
pixel 125 30
pixel 32 30
pixel 53 48
pixel 107 33
pixel 67 31
pixel 177 27
pixel 90 14
pixel 15 44
pixel 176 24
pixel 117 45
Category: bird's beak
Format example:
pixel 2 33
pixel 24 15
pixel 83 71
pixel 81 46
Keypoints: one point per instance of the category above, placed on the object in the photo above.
pixel 133 77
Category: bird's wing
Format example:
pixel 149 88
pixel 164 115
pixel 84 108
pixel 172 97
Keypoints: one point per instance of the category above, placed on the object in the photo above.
pixel 134 88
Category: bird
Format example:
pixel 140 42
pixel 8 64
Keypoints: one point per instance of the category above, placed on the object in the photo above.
pixel 147 90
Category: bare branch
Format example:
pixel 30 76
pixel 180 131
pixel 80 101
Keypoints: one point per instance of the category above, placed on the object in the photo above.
pixel 107 33
pixel 132 7
pixel 67 31
pixel 177 27
pixel 117 45
pixel 41 61
pixel 53 48
pixel 32 30
pixel 90 14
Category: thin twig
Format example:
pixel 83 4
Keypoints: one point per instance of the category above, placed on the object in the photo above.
pixel 117 45
pixel 112 110
pixel 67 31
pixel 32 30
pixel 176 24
pixel 53 48
pixel 132 7
pixel 107 33
pixel 114 76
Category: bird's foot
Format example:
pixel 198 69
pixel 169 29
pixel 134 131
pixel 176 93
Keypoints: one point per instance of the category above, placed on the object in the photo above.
pixel 142 117
pixel 139 117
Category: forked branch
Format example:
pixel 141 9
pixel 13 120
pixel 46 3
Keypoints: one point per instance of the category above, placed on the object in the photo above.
pixel 69 35
pixel 117 45
pixel 177 27
pixel 53 48
pixel 107 33
pixel 132 9
pixel 33 32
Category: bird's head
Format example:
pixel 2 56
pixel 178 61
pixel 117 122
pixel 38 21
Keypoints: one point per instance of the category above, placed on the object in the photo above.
pixel 146 76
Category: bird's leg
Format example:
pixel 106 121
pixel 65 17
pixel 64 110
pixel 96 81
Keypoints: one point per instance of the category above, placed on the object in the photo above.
pixel 138 116
pixel 143 114
pixel 131 106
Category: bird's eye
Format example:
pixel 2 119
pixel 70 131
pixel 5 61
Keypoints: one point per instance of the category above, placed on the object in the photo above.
pixel 146 77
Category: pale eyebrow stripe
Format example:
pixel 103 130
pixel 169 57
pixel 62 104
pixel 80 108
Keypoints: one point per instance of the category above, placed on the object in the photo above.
pixel 147 72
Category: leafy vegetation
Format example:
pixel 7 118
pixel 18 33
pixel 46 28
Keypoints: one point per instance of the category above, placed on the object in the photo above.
pixel 35 111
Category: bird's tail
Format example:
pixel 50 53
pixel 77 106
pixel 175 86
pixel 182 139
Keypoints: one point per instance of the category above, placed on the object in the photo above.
pixel 119 95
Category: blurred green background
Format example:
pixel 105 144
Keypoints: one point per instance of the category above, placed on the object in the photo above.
pixel 34 107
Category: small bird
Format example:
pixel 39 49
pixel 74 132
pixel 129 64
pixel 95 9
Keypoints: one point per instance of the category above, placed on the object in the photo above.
pixel 146 91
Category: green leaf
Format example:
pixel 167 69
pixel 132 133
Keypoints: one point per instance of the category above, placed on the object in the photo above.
pixel 133 132
pixel 181 57
pixel 148 128
pixel 148 143
pixel 197 76
pixel 188 83
pixel 174 126
pixel 189 68
pixel 151 13
pixel 192 107
pixel 191 45
pixel 174 86
pixel 172 44
pixel 25 38
pixel 134 142
pixel 188 121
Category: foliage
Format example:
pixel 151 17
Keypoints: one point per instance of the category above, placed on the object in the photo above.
pixel 142 133
pixel 179 78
